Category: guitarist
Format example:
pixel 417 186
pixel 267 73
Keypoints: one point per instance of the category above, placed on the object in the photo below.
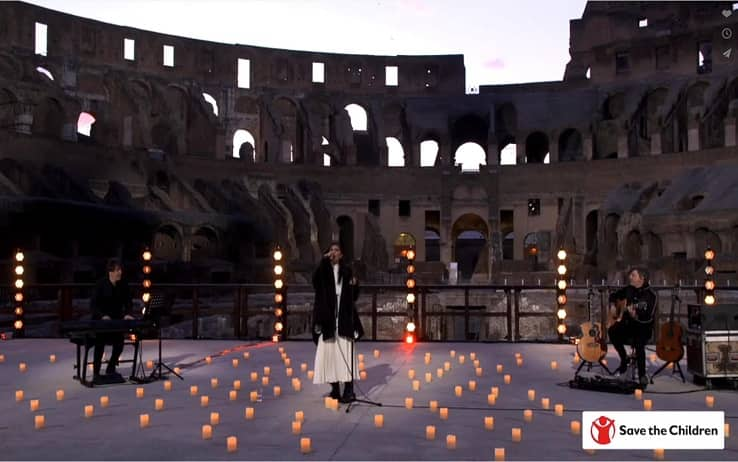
pixel 635 324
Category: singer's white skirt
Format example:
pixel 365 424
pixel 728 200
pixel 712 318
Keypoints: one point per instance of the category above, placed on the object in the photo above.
pixel 332 363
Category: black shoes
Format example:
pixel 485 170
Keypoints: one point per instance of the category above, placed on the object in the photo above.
pixel 622 368
pixel 348 393
pixel 335 391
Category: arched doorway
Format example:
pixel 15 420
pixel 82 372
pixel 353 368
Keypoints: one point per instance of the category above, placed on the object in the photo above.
pixel 469 235
pixel 346 236
pixel 403 241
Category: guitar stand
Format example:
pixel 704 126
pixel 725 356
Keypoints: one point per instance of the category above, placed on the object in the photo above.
pixel 590 364
pixel 677 368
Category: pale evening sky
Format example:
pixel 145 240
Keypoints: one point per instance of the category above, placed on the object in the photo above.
pixel 502 41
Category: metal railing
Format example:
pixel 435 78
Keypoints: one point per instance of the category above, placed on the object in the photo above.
pixel 490 313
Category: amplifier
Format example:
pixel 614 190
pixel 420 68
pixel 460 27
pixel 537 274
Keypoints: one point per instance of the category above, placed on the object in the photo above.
pixel 715 317
pixel 712 354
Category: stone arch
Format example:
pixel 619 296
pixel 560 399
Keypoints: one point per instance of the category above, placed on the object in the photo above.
pixel 654 246
pixel 246 105
pixel 346 236
pixel 358 116
pixel 8 101
pixel 632 247
pixel 570 145
pixel 470 156
pixel 244 145
pixel 430 147
pixel 610 248
pixel 48 118
pixel 613 106
pixel 696 94
pixel 591 228
pixel 469 128
pixel 204 243
pixel 469 235
pixel 395 153
pixel 536 148
pixel 167 242
pixel 403 241
pixel 178 102
pixel 164 137
pixel 704 238
pixel 91 85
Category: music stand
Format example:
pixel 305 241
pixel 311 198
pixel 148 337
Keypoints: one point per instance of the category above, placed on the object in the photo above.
pixel 159 306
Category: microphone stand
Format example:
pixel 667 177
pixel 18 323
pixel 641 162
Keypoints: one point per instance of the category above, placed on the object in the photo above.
pixel 353 340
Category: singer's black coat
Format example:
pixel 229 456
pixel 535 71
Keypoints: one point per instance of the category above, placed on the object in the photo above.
pixel 324 309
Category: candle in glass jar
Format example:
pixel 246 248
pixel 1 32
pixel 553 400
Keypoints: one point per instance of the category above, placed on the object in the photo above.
pixel 554 365
pixel 528 415
pixel 233 395
pixel 305 445
pixel 246 355
pixel 34 405
pixel 408 403
pixel 249 413
pixel 376 353
pixel 19 395
pixel 491 399
pixel 167 385
pixel 443 413
pixel 149 364
pixel 89 410
pixel 430 432
pixel 277 391
pixel 439 372
pixel 236 384
pixel 207 432
pixel 254 376
pixel 234 361
pixel 416 385
pixel 726 430
pixel 362 375
pixel 52 358
pixel 575 426
pixel 452 353
pixel 208 359
pixel 495 391
pixel 214 382
pixel 433 405
pixel 508 379
pixel 267 370
pixel 39 422
pixel 60 395
pixel 288 372
pixel 519 362
pixel 638 394
pixel 265 380
pixel 489 423
pixel 458 390
pixel 451 441
pixel 472 385
pixel 139 392
pixel 531 395
pixel 499 454
pixel 379 420
pixel 428 377
pixel 462 359
pixel 232 443
pixel 427 359
pixel 214 418
pixel 299 416
pixel 478 371
pixel 545 403
pixel 559 409
pixel 296 427
pixel 104 401
pixel 517 435
pixel 446 366
pixel 473 356
pixel 310 375
pixel 193 390
pixel 159 404
pixel 22 367
pixel 710 401
pixel 499 368
pixel 204 401
pixel 143 420
pixel 411 374
pixel 658 454
pixel 647 404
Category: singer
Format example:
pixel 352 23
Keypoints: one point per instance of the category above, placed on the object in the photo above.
pixel 336 324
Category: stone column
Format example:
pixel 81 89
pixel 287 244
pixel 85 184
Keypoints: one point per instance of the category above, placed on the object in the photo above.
pixel 520 152
pixel 587 150
pixel 622 145
pixel 693 129
pixel 656 143
pixel 730 131
pixel 23 117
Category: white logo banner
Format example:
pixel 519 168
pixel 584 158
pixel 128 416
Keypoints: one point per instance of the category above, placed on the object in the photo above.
pixel 653 429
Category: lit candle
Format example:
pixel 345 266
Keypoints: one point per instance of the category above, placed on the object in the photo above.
pixel 207 432
pixel 379 420
pixel 89 410
pixel 451 441
pixel 433 405
pixel 288 372
pixel 576 427
pixel 647 404
pixel 254 376
pixel 528 415
pixel 416 385
pixel 472 385
pixel 475 362
pixel 491 399
pixel 281 350
pixel 193 390
pixel 304 367
pixel 104 401
pixel 376 353
pixel 531 395
pixel 204 401
pixel 214 382
pixel 499 368
pixel 462 359
pixel 408 403
pixel 299 416
pixel 159 404
pixel 457 390
pixel 178 371
pixel 658 454
pixel 653 357
pixel 559 409
pixel 519 362
pixel 22 367
pixel 362 375
pixel 167 385
pixel 287 362
pixel 360 357
pixel 296 427
pixel 554 365
pixel 267 370
pixel 60 395
pixel 327 402
pixel 214 418
pixel 453 353
pixel 265 380
pixel 489 423
pixel 443 413
pixel 576 357
pixel 246 355
pixel 430 432
pixel 232 443
pixel 34 405
pixel 638 394
pixel 710 401
pixel 236 384
pixel 545 403
pixel 478 371
pixel 233 395
pixel 411 374
pixel 2 358
pixel 305 445
pixel 508 379
pixel 52 358
pixel 208 359
pixel 499 454
pixel 234 361
pixel 517 435
pixel 334 404
pixel 149 364
pixel 495 391
pixel 143 420
pixel 254 396
pixel 428 377
pixel 19 395
pixel 311 374
pixel 473 356
pixel 39 422
pixel 427 359
pixel 139 392
pixel 726 430
pixel 439 372
pixel 277 390
pixel 446 366
pixel 249 413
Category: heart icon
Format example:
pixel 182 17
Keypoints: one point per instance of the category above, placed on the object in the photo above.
pixel 727 13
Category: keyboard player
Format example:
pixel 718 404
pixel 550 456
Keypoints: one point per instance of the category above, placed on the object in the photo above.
pixel 111 300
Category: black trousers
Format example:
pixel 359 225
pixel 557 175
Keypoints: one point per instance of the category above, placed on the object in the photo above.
pixel 629 332
pixel 108 339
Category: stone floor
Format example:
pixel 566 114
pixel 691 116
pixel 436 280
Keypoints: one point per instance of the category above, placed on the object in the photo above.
pixel 113 433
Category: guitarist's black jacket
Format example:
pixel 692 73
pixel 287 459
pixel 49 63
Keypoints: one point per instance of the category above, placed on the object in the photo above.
pixel 644 301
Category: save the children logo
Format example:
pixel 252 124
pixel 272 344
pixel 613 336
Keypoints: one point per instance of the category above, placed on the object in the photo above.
pixel 602 430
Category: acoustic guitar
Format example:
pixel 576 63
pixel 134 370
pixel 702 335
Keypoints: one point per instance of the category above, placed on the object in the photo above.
pixel 592 346
pixel 669 347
